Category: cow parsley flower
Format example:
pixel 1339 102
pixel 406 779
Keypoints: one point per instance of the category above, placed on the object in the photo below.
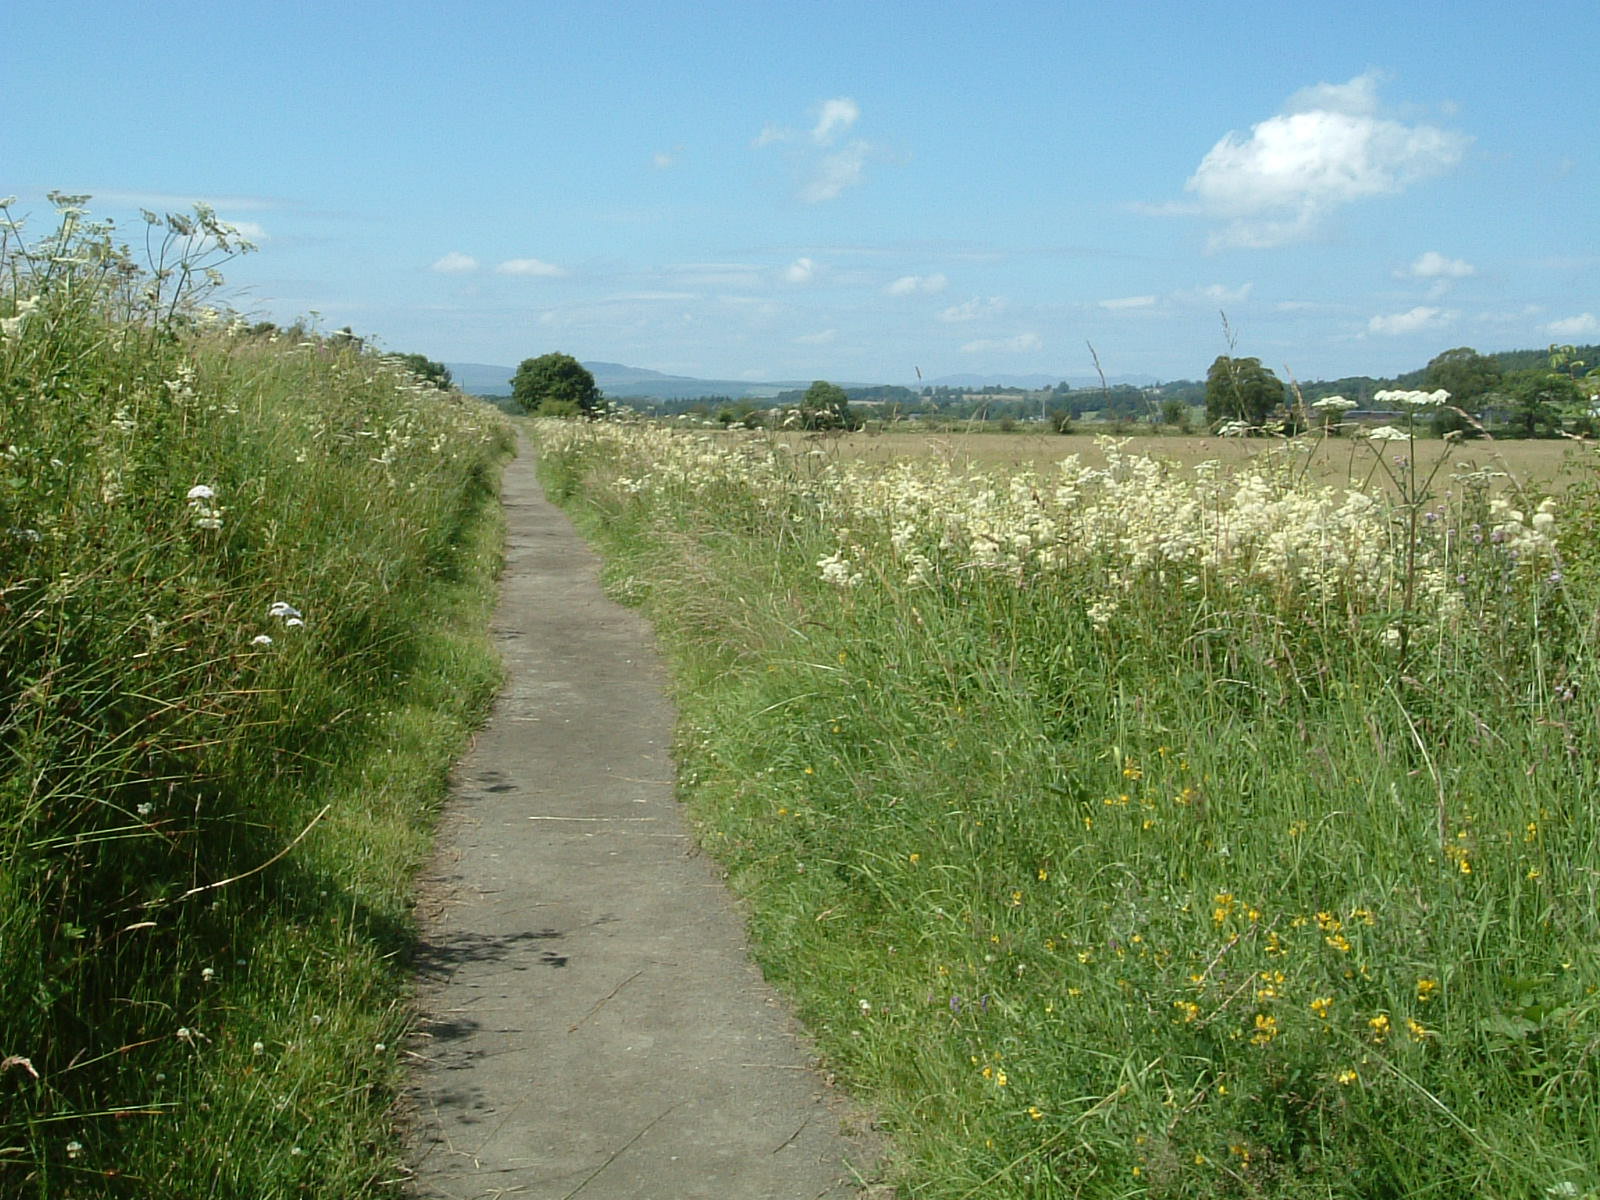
pixel 207 514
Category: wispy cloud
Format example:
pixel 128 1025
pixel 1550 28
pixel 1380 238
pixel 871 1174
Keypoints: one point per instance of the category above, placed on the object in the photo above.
pixel 1216 293
pixel 834 172
pixel 826 165
pixel 1021 342
pixel 1328 148
pixel 911 285
pixel 165 201
pixel 716 274
pixel 535 267
pixel 1421 317
pixel 661 160
pixel 824 338
pixel 455 263
pixel 974 309
pixel 1123 302
pixel 801 270
pixel 835 117
pixel 1582 325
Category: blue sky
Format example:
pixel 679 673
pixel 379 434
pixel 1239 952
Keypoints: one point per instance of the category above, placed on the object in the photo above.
pixel 851 191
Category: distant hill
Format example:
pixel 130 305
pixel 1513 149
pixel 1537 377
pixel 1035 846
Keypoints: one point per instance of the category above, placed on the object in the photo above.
pixel 482 379
pixel 1035 383
pixel 625 382
pixel 636 383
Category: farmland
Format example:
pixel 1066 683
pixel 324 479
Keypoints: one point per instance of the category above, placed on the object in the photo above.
pixel 1122 829
pixel 1334 461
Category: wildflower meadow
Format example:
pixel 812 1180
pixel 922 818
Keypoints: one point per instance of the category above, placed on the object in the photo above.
pixel 1135 830
pixel 243 582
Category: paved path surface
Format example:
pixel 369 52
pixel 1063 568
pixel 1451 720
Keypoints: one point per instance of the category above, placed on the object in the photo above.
pixel 594 1027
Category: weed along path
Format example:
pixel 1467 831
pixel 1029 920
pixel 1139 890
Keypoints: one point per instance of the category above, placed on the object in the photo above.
pixel 594 1028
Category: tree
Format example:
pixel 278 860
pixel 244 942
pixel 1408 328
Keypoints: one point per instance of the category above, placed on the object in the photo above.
pixel 1241 389
pixel 825 406
pixel 1539 399
pixel 425 369
pixel 1467 375
pixel 555 380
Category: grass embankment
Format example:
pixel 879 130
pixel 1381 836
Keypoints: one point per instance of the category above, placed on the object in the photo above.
pixel 1128 832
pixel 243 587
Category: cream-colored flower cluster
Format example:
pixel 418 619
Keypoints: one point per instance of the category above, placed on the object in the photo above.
pixel 1136 518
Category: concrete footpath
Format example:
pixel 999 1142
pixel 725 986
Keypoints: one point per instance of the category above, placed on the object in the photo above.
pixel 594 1027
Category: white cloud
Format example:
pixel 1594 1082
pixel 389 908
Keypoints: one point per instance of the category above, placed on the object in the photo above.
pixel 1216 293
pixel 1328 149
pixel 974 309
pixel 801 270
pixel 835 117
pixel 1122 302
pixel 250 230
pixel 1022 342
pixel 1421 317
pixel 662 159
pixel 825 167
pixel 835 172
pixel 1358 98
pixel 1582 325
pixel 910 285
pixel 824 338
pixel 1433 265
pixel 531 266
pixel 455 263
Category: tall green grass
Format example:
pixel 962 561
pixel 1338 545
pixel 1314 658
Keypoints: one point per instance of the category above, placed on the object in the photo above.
pixel 242 590
pixel 1234 891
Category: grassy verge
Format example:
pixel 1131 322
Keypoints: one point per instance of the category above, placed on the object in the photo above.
pixel 1125 833
pixel 243 585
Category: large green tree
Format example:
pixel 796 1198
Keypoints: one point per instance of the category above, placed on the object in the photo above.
pixel 825 406
pixel 1539 399
pixel 1467 375
pixel 1241 389
pixel 555 383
